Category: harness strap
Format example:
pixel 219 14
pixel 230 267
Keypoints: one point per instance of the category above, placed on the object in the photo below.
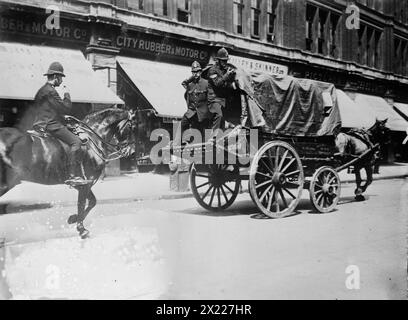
pixel 362 136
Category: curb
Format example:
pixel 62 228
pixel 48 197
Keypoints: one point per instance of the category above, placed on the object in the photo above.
pixel 401 177
pixel 184 195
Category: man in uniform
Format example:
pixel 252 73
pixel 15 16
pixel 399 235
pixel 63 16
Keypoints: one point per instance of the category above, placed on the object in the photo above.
pixel 220 83
pixel 51 110
pixel 196 94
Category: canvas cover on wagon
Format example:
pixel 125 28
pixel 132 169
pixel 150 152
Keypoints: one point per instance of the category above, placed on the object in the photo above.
pixel 291 106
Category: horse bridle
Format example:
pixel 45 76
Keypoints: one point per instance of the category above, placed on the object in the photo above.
pixel 119 149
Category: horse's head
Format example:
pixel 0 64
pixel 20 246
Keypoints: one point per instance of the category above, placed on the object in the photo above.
pixel 116 126
pixel 380 133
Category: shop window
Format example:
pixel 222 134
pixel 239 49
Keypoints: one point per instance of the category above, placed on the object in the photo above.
pixel 310 35
pixel 160 7
pixel 137 5
pixel 184 10
pixel 361 49
pixel 333 41
pixel 377 49
pixel 400 56
pixel 271 16
pixel 369 47
pixel 321 32
pixel 238 9
pixel 255 17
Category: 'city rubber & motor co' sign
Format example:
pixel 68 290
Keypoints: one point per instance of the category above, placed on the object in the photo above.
pixel 159 46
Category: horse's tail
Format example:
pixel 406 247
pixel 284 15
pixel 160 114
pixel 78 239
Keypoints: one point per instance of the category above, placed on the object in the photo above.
pixel 8 138
pixel 3 169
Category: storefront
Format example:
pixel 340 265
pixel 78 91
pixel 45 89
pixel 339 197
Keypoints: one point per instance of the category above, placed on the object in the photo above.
pixel 27 48
pixel 145 68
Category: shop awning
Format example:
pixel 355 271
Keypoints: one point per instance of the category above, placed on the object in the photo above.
pixel 353 115
pixel 378 108
pixel 22 68
pixel 159 83
pixel 402 108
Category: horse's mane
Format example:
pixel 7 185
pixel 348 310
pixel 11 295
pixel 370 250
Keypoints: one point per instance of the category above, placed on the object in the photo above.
pixel 106 117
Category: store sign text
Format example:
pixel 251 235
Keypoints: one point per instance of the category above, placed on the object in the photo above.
pixel 160 48
pixel 259 66
pixel 15 25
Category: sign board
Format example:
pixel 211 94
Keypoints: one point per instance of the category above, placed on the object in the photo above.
pixel 157 47
pixel 258 66
pixel 36 27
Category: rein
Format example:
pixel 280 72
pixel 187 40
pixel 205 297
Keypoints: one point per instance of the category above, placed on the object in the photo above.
pixel 118 149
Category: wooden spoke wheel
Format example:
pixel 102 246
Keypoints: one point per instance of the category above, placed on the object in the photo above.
pixel 325 189
pixel 276 179
pixel 215 187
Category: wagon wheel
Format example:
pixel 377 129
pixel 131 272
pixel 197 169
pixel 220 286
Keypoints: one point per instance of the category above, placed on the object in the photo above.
pixel 325 189
pixel 276 179
pixel 215 187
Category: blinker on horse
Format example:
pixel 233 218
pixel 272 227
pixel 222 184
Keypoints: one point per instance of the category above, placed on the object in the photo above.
pixel 110 135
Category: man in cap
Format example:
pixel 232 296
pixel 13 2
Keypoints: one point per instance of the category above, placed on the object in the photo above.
pixel 51 110
pixel 220 83
pixel 196 94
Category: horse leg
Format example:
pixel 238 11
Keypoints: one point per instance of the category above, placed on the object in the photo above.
pixel 358 192
pixel 91 204
pixel 82 196
pixel 369 172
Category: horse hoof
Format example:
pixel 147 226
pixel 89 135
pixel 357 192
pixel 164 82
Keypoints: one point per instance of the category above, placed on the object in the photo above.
pixel 84 233
pixel 358 192
pixel 72 219
pixel 360 198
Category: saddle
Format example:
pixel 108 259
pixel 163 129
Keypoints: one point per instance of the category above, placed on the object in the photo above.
pixel 72 125
pixel 38 132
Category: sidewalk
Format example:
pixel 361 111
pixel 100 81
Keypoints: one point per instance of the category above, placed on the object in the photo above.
pixel 135 187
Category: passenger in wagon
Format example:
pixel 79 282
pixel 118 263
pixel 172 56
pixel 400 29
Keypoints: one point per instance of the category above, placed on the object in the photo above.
pixel 197 115
pixel 221 80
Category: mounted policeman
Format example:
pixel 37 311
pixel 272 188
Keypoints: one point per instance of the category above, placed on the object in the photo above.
pixel 196 95
pixel 50 112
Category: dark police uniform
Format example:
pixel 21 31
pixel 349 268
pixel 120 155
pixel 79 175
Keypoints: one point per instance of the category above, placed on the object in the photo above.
pixel 219 88
pixel 50 117
pixel 197 102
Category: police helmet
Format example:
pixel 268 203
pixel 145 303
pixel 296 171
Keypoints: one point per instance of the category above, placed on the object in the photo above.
pixel 55 68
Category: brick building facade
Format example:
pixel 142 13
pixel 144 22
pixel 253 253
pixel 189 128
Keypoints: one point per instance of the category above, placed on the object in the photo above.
pixel 306 38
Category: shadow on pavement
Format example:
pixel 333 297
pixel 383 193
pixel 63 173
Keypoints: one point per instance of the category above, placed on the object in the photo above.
pixel 12 209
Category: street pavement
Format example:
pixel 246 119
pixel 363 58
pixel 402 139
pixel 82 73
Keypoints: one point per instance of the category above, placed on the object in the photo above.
pixel 134 187
pixel 173 249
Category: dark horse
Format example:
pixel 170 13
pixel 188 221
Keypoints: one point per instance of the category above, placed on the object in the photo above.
pixel 107 134
pixel 364 144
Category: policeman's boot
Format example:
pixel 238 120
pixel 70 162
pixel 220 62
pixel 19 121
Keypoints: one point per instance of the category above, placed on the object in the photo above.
pixel 74 164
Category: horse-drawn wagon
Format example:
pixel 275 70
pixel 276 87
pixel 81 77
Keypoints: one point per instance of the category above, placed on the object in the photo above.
pixel 294 149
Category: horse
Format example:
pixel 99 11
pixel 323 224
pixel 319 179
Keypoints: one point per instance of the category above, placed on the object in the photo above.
pixel 364 144
pixel 106 135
